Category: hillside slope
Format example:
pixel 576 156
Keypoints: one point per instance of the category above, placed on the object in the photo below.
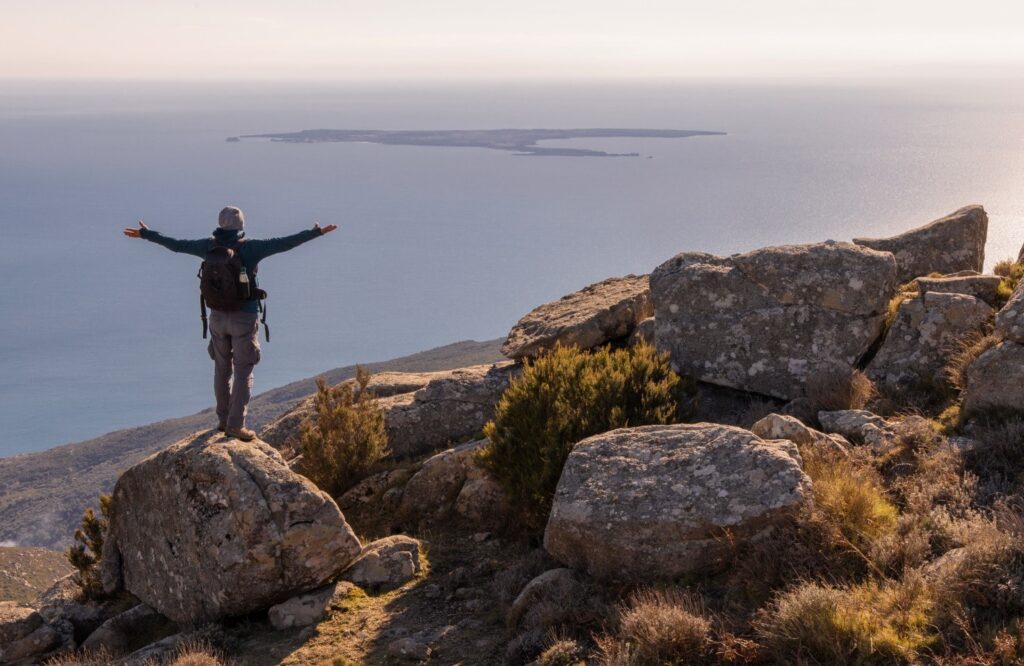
pixel 42 495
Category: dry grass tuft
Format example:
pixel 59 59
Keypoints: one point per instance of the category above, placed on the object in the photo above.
pixel 888 622
pixel 963 354
pixel 839 388
pixel 562 652
pixel 659 627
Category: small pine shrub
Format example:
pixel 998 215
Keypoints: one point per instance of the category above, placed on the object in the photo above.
pixel 348 437
pixel 839 388
pixel 85 553
pixel 563 397
pixel 870 623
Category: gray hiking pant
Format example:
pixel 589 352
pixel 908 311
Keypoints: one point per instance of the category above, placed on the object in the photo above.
pixel 235 349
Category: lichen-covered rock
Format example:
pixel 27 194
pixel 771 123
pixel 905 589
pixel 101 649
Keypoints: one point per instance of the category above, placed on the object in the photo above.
pixel 1010 320
pixel 592 316
pixel 451 408
pixel 308 608
pixel 44 641
pixel 857 425
pixel 995 380
pixel 644 332
pixel 434 488
pixel 63 602
pixel 446 411
pixel 482 501
pixel 386 563
pixel 548 600
pixel 953 243
pixel 783 426
pixel 371 490
pixel 767 320
pixel 213 527
pixel 649 503
pixel 984 287
pixel 129 631
pixel 917 348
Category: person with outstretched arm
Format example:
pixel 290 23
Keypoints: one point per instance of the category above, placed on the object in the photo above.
pixel 234 319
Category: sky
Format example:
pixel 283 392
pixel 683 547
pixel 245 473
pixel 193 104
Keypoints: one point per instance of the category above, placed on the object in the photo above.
pixel 483 39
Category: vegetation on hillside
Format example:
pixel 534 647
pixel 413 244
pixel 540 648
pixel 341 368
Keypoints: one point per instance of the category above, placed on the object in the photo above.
pixel 87 550
pixel 348 437
pixel 565 396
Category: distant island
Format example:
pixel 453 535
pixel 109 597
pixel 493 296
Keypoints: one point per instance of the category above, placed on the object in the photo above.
pixel 519 141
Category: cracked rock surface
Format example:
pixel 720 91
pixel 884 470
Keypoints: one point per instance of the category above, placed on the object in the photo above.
pixel 213 527
pixel 767 320
pixel 652 502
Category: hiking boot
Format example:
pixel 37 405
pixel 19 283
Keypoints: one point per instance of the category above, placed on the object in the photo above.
pixel 243 434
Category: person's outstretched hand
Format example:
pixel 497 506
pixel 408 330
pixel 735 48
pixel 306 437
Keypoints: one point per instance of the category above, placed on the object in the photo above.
pixel 132 232
pixel 325 230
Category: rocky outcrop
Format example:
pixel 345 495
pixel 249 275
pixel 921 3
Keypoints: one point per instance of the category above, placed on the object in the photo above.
pixel 307 609
pixel 131 630
pixel 995 380
pixel 386 563
pixel 767 320
pixel 784 426
pixel 858 426
pixel 950 244
pixel 446 411
pixel 984 287
pixel 1010 320
pixel 650 503
pixel 926 329
pixel 432 491
pixel 548 600
pixel 592 316
pixel 451 408
pixel 212 527
pixel 644 332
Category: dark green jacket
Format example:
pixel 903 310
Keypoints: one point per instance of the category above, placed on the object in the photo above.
pixel 252 252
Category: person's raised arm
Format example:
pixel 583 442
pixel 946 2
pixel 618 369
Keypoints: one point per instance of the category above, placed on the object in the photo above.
pixel 196 247
pixel 269 246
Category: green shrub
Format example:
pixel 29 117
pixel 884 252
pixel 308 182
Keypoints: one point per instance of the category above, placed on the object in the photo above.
pixel 85 553
pixel 567 395
pixel 348 437
pixel 1012 273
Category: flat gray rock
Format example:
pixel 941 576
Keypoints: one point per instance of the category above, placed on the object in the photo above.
pixel 995 380
pixel 767 320
pixel 650 503
pixel 590 317
pixel 386 563
pixel 984 287
pixel 953 243
pixel 1010 320
pixel 926 330
pixel 213 527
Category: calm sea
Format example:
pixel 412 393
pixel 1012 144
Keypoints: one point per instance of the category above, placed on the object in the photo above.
pixel 99 332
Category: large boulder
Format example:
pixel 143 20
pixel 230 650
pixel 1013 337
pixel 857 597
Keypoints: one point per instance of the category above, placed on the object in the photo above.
pixel 985 287
pixel 213 527
pixel 452 407
pixel 995 380
pixel 767 320
pixel 592 316
pixel 651 503
pixel 1010 320
pixel 434 488
pixel 947 245
pixel 447 411
pixel 926 329
pixel 386 563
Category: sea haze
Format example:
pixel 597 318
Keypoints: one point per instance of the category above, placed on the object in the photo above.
pixel 435 244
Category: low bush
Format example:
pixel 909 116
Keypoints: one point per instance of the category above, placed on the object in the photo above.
pixel 562 652
pixel 850 497
pixel 839 388
pixel 87 550
pixel 963 355
pixel 563 397
pixel 1012 272
pixel 659 627
pixel 348 437
pixel 870 623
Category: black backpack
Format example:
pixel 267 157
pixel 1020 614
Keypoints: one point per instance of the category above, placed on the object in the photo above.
pixel 220 285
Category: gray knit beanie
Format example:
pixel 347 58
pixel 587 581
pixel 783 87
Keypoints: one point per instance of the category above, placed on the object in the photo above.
pixel 231 218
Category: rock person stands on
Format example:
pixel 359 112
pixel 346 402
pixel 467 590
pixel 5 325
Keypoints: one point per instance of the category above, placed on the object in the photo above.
pixel 234 330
